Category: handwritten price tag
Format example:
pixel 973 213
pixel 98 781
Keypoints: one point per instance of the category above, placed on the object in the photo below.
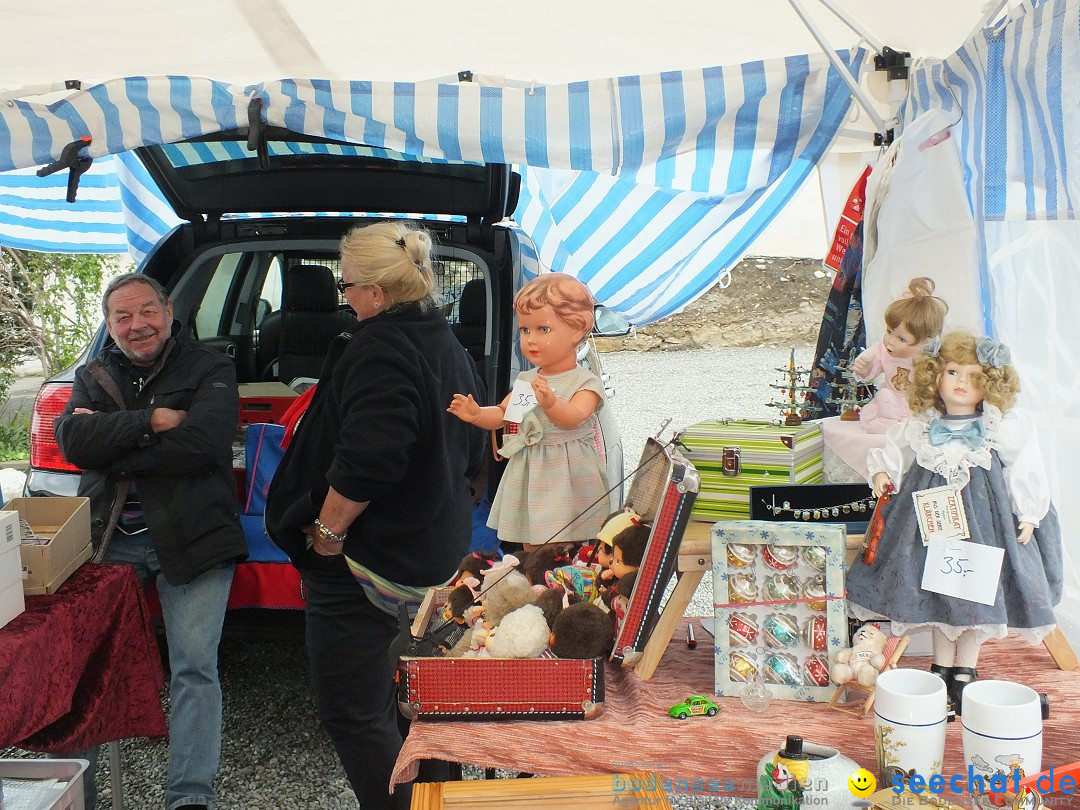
pixel 941 514
pixel 522 400
pixel 965 570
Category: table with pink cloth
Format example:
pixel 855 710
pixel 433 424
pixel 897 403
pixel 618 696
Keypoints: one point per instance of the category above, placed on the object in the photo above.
pixel 81 667
pixel 715 754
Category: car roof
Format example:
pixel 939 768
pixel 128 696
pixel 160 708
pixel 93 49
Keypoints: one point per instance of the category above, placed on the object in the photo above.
pixel 282 172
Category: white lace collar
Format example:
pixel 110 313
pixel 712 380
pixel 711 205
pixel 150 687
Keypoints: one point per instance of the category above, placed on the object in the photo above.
pixel 952 460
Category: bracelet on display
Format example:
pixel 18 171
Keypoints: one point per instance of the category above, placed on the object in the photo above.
pixel 326 534
pixel 819 512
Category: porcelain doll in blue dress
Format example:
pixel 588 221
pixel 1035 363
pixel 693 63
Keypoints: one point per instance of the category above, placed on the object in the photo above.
pixel 964 432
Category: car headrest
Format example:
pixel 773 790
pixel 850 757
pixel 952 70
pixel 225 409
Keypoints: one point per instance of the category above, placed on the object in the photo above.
pixel 472 308
pixel 309 288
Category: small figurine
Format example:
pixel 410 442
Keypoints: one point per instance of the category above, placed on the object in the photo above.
pixel 964 433
pixel 782 780
pixel 554 442
pixel 864 660
pixel 909 322
pixel 582 631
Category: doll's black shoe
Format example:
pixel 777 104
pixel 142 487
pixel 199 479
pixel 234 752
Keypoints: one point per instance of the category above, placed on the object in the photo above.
pixel 962 676
pixel 1044 704
pixel 946 674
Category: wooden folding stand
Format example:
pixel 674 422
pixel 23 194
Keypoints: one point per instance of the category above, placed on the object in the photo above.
pixel 894 648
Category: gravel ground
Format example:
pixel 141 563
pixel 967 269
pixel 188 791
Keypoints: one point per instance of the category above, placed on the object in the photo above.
pixel 275 755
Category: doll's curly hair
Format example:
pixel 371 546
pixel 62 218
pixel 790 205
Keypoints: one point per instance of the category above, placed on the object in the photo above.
pixel 571 300
pixel 922 312
pixel 999 385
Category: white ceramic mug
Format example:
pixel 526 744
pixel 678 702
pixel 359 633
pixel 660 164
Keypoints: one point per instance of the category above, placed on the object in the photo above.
pixel 1002 729
pixel 909 725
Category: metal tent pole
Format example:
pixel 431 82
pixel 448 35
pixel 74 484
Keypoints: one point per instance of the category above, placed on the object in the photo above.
pixel 860 96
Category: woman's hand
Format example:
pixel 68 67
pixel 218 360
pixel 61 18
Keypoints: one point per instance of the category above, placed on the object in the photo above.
pixel 465 408
pixel 1026 531
pixel 321 546
pixel 545 397
pixel 881 480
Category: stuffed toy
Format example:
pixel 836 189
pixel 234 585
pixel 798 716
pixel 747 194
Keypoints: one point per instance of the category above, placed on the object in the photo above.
pixel 553 600
pixel 614 524
pixel 575 579
pixel 523 633
pixel 473 565
pixel 541 560
pixel 582 631
pixel 864 660
pixel 504 589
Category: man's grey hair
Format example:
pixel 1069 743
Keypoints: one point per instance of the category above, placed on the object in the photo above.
pixel 132 278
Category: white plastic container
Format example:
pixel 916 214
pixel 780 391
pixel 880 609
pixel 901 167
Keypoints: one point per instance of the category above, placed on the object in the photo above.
pixel 67 794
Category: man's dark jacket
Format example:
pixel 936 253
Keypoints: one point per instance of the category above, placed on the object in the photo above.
pixel 183 476
pixel 377 430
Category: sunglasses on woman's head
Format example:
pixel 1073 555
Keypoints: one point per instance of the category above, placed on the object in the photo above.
pixel 342 286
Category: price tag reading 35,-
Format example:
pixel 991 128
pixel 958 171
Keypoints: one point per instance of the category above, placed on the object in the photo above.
pixel 522 400
pixel 965 570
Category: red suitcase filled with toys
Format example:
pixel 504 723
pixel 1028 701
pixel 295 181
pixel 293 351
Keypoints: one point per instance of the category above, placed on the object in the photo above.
pixel 435 683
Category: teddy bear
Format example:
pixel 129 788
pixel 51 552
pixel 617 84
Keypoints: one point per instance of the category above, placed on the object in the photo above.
pixel 864 660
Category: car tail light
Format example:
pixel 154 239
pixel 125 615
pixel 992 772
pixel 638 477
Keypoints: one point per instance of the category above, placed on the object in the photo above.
pixel 44 451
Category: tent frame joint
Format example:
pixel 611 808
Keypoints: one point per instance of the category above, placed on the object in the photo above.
pixel 894 62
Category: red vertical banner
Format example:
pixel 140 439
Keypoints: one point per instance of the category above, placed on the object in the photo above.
pixel 850 217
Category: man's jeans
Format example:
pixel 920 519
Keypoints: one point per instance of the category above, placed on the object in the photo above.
pixel 193 615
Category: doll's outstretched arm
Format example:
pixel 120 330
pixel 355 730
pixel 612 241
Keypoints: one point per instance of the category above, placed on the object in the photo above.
pixel 566 414
pixel 469 410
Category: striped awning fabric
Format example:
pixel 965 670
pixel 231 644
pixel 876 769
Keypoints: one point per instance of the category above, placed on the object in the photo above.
pixel 648 188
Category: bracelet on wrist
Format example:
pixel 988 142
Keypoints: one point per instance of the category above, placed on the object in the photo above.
pixel 326 535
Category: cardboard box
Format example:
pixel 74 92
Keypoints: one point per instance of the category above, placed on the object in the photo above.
pixel 733 455
pixel 264 402
pixel 780 609
pixel 65 522
pixel 10 561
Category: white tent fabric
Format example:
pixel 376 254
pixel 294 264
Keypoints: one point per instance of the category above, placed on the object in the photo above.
pixel 918 223
pixel 1014 95
pixel 671 176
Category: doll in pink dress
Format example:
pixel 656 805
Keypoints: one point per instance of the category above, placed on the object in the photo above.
pixel 909 322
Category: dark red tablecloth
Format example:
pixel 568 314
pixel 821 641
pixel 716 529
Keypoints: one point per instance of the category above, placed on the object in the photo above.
pixel 81 667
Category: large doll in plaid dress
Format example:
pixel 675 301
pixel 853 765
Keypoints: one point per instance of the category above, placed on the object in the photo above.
pixel 554 472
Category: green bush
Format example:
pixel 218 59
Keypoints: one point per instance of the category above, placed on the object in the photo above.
pixel 15 439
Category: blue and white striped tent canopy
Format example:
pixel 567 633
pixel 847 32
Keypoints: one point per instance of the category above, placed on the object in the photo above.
pixel 648 188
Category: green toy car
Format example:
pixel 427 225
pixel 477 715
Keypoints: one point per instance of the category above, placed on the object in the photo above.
pixel 695 704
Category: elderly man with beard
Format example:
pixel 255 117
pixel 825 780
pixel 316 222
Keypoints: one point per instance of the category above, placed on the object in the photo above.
pixel 151 421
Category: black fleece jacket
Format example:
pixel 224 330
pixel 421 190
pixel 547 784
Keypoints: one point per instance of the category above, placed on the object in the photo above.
pixel 183 476
pixel 377 430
